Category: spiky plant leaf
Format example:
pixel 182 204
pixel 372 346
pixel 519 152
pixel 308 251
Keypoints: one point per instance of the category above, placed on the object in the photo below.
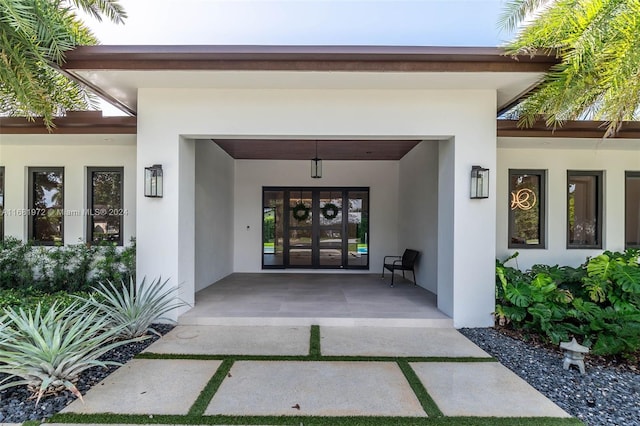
pixel 49 349
pixel 133 308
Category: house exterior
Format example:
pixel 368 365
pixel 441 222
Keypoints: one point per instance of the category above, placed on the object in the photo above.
pixel 398 130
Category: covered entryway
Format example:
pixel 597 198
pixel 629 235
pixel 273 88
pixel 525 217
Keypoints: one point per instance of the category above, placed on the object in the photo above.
pixel 306 299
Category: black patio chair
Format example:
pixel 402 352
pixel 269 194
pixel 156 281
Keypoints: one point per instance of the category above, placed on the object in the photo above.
pixel 406 262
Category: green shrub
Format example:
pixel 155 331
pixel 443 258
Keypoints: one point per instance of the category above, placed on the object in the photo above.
pixel 598 302
pixel 29 299
pixel 133 309
pixel 68 268
pixel 48 348
pixel 16 269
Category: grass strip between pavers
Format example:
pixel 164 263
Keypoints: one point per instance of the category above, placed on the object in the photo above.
pixel 206 357
pixel 314 342
pixel 311 420
pixel 428 404
pixel 202 402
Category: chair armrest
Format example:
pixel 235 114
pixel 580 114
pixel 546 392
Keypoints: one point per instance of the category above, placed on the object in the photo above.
pixel 397 262
pixel 387 257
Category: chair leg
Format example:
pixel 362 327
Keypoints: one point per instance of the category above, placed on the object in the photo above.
pixel 383 272
pixel 414 277
pixel 403 274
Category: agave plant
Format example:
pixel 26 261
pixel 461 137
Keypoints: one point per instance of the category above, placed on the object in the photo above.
pixel 48 349
pixel 133 309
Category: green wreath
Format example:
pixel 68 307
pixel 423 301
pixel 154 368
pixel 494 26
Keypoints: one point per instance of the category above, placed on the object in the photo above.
pixel 300 212
pixel 330 211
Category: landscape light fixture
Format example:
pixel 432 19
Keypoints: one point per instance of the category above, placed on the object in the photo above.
pixel 316 165
pixel 153 181
pixel 479 182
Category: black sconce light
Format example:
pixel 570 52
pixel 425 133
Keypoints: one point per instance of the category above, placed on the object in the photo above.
pixel 479 182
pixel 153 181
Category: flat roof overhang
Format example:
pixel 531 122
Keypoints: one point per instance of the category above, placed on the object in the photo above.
pixel 117 72
pixel 568 129
pixel 75 122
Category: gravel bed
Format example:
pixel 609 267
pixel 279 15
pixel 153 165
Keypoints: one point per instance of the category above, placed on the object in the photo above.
pixel 16 407
pixel 602 396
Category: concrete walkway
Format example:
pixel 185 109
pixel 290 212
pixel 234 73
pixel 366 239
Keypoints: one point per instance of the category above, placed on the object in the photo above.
pixel 205 371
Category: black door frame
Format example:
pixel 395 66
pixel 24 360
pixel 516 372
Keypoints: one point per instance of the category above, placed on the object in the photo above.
pixel 315 226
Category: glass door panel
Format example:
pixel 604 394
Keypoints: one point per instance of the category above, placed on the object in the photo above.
pixel 300 244
pixel 358 228
pixel 330 229
pixel 306 228
pixel 273 228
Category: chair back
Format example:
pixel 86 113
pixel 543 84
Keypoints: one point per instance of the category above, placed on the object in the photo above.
pixel 409 258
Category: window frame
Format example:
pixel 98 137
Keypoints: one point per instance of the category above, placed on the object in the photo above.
pixel 599 175
pixel 628 174
pixel 89 191
pixel 30 200
pixel 4 201
pixel 542 202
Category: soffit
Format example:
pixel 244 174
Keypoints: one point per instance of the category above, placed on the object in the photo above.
pixel 305 149
pixel 117 72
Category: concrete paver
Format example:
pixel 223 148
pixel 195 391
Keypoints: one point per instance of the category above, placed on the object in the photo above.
pixel 397 341
pixel 483 389
pixel 145 386
pixel 318 388
pixel 233 340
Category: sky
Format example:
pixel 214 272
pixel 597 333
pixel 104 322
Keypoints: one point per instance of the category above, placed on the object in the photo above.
pixel 307 22
pixel 304 22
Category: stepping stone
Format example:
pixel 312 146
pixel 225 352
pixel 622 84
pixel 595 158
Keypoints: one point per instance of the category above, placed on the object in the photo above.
pixel 486 389
pixel 233 340
pixel 397 341
pixel 278 388
pixel 148 386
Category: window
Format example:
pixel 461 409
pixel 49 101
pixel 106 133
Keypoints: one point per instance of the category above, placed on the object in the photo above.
pixel 104 204
pixel 46 205
pixel 632 210
pixel 527 214
pixel 584 209
pixel 1 203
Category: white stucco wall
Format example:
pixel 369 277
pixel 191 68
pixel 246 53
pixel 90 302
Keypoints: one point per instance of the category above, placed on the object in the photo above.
pixel 418 210
pixel 467 117
pixel 214 213
pixel 557 156
pixel 251 175
pixel 75 153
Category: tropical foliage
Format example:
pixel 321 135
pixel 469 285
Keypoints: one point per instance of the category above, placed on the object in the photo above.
pixel 133 309
pixel 34 35
pixel 47 349
pixel 598 45
pixel 598 302
pixel 30 269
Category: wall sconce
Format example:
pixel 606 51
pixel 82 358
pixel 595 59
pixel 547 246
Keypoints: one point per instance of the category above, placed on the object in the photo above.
pixel 153 181
pixel 479 182
pixel 316 165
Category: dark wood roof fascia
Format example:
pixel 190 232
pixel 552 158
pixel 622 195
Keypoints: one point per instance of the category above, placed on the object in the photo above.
pixel 95 124
pixel 90 124
pixel 569 129
pixel 303 58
